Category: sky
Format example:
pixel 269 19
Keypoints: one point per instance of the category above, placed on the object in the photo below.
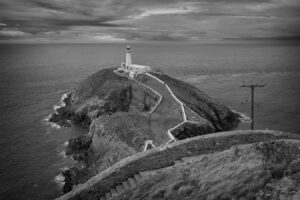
pixel 147 20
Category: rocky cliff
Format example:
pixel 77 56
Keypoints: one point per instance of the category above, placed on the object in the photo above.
pixel 103 93
pixel 116 109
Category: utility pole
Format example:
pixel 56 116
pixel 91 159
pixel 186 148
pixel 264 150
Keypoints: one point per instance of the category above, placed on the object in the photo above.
pixel 253 86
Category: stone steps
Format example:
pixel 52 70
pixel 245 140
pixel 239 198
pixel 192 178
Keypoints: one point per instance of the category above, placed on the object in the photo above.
pixel 136 178
pixel 132 182
pixel 113 192
pixel 120 188
pixel 184 160
pixel 108 195
pixel 187 159
pixel 178 162
pixel 128 184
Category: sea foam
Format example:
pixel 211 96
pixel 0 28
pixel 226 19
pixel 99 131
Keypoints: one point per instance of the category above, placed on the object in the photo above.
pixel 66 143
pixel 61 102
pixel 59 180
pixel 243 117
pixel 52 124
pixel 55 108
pixel 63 154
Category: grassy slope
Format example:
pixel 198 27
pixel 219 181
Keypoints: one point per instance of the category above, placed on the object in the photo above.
pixel 93 85
pixel 220 116
pixel 168 113
pixel 239 172
pixel 120 135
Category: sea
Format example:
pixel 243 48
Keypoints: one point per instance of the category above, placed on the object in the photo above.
pixel 34 77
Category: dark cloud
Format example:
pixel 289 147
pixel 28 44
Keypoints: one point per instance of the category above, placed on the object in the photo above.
pixel 140 20
pixel 159 35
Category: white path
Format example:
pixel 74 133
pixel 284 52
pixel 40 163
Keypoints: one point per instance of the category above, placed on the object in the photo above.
pixel 172 94
pixel 155 92
pixel 169 132
pixel 182 106
pixel 146 86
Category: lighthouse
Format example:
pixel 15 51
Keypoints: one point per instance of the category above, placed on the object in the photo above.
pixel 132 69
pixel 128 57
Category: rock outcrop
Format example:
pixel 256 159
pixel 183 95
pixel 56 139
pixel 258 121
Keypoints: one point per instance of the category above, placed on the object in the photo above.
pixel 103 93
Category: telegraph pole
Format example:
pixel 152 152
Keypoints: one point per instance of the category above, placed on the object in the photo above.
pixel 253 86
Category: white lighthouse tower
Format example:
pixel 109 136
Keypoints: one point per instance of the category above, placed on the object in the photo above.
pixel 132 69
pixel 128 57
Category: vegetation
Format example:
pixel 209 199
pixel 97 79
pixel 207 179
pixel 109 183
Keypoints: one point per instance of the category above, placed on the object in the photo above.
pixel 241 172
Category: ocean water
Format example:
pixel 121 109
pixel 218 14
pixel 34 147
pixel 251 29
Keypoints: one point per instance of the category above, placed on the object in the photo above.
pixel 34 77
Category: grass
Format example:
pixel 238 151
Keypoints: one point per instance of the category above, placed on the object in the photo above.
pixel 235 173
pixel 122 134
pixel 220 116
pixel 168 113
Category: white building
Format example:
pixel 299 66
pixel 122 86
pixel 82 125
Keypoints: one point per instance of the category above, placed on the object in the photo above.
pixel 133 69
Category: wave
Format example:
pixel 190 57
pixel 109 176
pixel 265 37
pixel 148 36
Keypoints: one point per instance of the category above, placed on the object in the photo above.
pixel 61 102
pixel 66 143
pixel 55 108
pixel 243 117
pixel 59 180
pixel 63 154
pixel 52 124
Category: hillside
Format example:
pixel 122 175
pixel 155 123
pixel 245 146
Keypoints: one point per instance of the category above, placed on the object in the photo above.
pixel 219 115
pixel 262 170
pixel 100 94
pixel 225 165
pixel 119 113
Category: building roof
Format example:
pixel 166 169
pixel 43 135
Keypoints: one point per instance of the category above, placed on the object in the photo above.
pixel 138 66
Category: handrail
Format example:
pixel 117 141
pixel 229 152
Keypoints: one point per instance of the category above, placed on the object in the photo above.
pixel 155 92
pixel 172 94
pixel 169 132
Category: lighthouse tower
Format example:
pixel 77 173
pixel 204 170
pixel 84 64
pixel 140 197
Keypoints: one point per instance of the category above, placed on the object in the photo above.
pixel 132 69
pixel 128 57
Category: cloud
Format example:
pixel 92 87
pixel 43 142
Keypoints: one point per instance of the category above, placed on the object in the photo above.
pixel 12 34
pixel 169 11
pixel 170 20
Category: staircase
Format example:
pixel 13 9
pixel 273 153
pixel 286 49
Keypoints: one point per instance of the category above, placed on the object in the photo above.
pixel 130 183
pixel 133 181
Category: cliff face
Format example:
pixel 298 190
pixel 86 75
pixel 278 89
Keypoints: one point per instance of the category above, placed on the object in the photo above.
pixel 117 136
pixel 103 93
pixel 116 110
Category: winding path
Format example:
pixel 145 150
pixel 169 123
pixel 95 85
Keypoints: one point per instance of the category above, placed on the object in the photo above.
pixel 160 98
pixel 182 106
